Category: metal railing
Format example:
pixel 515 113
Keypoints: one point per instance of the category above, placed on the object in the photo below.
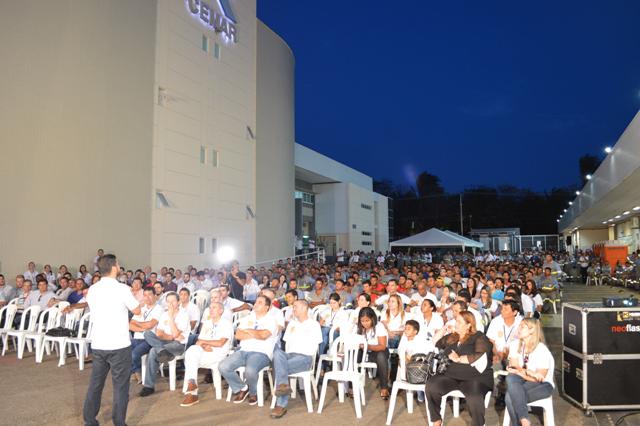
pixel 318 255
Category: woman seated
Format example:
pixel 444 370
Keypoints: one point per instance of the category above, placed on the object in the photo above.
pixel 530 371
pixel 363 301
pixel 376 335
pixel 332 317
pixel 393 319
pixel 469 372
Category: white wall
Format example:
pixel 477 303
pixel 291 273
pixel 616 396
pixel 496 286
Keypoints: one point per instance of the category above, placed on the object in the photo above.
pixel 331 209
pixel 210 103
pixel 322 165
pixel 275 134
pixel 381 222
pixel 76 110
pixel 587 237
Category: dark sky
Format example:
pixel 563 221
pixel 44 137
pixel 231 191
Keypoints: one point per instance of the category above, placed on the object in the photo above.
pixel 475 92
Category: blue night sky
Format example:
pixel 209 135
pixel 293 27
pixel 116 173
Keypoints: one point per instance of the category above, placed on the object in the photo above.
pixel 477 93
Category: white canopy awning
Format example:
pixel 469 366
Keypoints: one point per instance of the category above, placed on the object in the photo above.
pixel 435 238
pixel 468 241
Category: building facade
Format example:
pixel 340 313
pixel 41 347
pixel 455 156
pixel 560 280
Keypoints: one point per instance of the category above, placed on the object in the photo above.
pixel 608 207
pixel 159 130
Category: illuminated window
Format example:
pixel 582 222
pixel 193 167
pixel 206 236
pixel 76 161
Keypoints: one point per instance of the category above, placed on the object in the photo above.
pixel 205 43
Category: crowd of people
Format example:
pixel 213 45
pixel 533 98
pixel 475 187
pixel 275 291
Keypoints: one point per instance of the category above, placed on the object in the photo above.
pixel 482 311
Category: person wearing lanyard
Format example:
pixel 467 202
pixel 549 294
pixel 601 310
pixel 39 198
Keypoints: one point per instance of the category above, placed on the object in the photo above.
pixel 147 320
pixel 109 302
pixel 212 347
pixel 330 318
pixel 530 371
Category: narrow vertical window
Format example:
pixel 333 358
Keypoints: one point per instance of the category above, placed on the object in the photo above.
pixel 201 246
pixel 205 43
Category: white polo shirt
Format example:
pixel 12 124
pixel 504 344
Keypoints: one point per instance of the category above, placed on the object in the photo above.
pixel 303 337
pixel 182 324
pixel 539 359
pixel 501 334
pixel 109 302
pixel 415 297
pixel 193 312
pixel 429 328
pixel 267 322
pixel 148 313
pixel 223 329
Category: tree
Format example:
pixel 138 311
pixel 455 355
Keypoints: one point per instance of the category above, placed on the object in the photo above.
pixel 428 184
pixel 588 164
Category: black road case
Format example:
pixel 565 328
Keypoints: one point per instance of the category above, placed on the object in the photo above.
pixel 601 356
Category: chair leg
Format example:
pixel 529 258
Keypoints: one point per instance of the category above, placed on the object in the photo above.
pixel 63 352
pixel 307 393
pixel 409 396
pixel 21 342
pixel 443 405
pixel 323 392
pixel 260 388
pixel 293 384
pixel 392 403
pixel 217 383
pixel 81 356
pixel 356 398
pixel 507 420
pixel 172 375
pixel 143 373
pixel 549 419
pixel 456 407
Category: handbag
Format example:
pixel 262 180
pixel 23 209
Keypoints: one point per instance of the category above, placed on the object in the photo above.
pixel 59 332
pixel 420 368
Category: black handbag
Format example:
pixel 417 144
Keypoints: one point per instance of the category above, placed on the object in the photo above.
pixel 420 368
pixel 59 332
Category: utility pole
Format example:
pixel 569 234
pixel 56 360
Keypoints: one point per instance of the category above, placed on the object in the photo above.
pixel 461 220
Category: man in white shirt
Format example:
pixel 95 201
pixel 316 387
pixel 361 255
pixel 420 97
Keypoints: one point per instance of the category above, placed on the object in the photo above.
pixel 40 297
pixel 190 308
pixel 202 282
pixel 229 303
pixel 302 338
pixel 423 293
pixel 62 294
pixel 167 342
pixel 212 347
pixel 147 320
pixel 7 293
pixel 31 273
pixel 109 302
pixel 257 334
pixel 392 288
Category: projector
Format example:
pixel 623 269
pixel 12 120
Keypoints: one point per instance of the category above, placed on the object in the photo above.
pixel 619 302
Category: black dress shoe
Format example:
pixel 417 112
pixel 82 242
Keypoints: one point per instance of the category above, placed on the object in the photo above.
pixel 146 391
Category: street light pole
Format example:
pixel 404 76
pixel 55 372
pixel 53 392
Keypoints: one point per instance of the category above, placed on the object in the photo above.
pixel 461 220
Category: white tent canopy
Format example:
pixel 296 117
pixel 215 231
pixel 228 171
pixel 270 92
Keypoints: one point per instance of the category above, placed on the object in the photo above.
pixel 436 238
pixel 469 241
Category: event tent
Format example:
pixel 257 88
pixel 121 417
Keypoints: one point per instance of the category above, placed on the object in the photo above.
pixel 436 238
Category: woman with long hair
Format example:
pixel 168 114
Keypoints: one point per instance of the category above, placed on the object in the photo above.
pixel 485 302
pixel 470 352
pixel 445 303
pixel 530 371
pixel 531 290
pixel 393 319
pixel 376 335
pixel 331 318
pixel 363 301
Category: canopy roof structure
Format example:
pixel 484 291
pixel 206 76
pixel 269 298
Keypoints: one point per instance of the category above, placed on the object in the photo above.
pixel 435 237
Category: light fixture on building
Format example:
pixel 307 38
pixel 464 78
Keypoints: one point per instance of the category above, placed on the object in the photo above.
pixel 565 210
pixel 604 223
pixel 610 220
pixel 577 192
pixel 588 177
pixel 570 203
pixel 617 217
pixel 636 208
pixel 225 254
pixel 608 149
pixel 558 220
pixel 625 213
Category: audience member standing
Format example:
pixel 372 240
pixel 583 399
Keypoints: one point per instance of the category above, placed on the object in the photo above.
pixel 109 302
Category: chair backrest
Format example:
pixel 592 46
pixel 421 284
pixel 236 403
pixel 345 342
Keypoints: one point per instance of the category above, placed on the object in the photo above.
pixel 315 312
pixel 9 312
pixel 201 299
pixel 62 304
pixel 14 301
pixel 32 312
pixel 52 317
pixel 83 323
pixel 402 364
pixel 350 347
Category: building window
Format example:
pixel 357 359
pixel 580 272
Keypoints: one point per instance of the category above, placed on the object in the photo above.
pixel 201 246
pixel 216 50
pixel 306 197
pixel 203 154
pixel 161 200
pixel 214 245
pixel 353 226
pixel 205 43
pixel 366 233
pixel 214 158
pixel 365 206
pixel 366 243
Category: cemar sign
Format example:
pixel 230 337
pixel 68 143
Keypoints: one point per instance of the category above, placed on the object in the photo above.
pixel 222 22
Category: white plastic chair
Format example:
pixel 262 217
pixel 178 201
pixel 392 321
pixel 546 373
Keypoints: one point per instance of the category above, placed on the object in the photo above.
pixel 9 312
pixel 350 371
pixel 217 380
pixel 330 356
pixel 80 343
pixel 37 336
pixel 547 406
pixel 201 299
pixel 260 384
pixel 456 395
pixel 17 336
pixel 70 321
pixel 172 369
pixel 309 383
pixel 401 384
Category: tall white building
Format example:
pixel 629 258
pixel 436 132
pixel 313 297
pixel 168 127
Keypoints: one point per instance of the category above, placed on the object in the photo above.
pixel 160 130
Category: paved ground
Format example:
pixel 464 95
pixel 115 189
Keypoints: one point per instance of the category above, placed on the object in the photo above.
pixel 45 394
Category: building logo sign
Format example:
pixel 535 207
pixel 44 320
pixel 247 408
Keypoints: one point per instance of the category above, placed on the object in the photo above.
pixel 223 22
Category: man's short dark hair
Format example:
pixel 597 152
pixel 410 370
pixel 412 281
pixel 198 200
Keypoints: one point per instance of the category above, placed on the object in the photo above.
pixel 185 289
pixel 465 295
pixel 41 280
pixel 515 306
pixel 267 300
pixel 462 304
pixel 105 263
pixel 150 289
pixel 293 292
pixel 413 323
